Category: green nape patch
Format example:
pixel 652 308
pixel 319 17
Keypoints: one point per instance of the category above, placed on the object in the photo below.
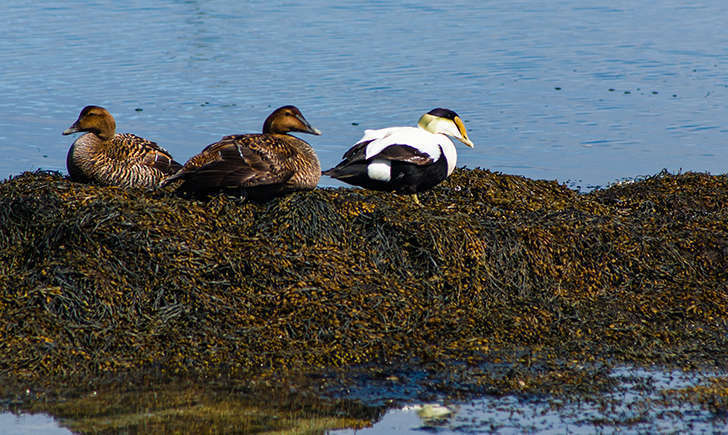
pixel 101 284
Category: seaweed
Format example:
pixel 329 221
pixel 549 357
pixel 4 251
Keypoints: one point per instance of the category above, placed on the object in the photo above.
pixel 101 285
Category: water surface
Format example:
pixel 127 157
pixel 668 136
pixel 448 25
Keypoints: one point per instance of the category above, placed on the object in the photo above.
pixel 569 89
pixel 30 424
pixel 640 403
pixel 582 91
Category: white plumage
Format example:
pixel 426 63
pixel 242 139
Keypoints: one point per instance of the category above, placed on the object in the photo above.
pixel 404 159
pixel 380 170
pixel 424 141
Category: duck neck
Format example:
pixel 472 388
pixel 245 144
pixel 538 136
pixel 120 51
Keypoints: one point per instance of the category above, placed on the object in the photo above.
pixel 272 127
pixel 105 129
pixel 427 123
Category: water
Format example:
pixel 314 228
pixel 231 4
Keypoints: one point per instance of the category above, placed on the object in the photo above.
pixel 30 424
pixel 635 406
pixel 642 401
pixel 568 89
pixel 561 89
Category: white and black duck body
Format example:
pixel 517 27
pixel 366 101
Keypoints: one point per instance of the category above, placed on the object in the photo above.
pixel 404 159
pixel 398 159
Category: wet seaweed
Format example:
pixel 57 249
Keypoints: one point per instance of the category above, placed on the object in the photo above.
pixel 99 284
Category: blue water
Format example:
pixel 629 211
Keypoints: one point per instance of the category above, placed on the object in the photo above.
pixel 582 91
pixel 561 89
pixel 643 401
pixel 30 424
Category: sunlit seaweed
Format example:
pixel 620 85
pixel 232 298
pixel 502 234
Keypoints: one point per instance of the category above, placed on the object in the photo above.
pixel 102 285
pixel 712 395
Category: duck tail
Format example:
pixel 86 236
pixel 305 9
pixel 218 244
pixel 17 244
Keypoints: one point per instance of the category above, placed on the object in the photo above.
pixel 345 171
pixel 170 179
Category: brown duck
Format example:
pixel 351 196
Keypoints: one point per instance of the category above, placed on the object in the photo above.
pixel 258 166
pixel 109 158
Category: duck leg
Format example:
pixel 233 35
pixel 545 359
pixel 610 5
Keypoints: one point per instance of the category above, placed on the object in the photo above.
pixel 417 200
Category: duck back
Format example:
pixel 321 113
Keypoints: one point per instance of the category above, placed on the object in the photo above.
pixel 124 160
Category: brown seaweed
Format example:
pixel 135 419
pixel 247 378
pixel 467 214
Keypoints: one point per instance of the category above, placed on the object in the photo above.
pixel 102 285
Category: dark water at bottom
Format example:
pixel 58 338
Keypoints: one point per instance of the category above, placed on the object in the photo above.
pixel 643 401
pixel 638 404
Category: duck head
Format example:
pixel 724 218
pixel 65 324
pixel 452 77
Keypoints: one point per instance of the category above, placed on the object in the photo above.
pixel 445 121
pixel 94 119
pixel 286 119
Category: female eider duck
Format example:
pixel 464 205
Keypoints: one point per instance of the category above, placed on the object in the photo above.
pixel 258 166
pixel 404 159
pixel 109 158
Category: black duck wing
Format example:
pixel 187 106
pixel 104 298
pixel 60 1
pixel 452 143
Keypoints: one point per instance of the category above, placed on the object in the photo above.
pixel 405 153
pixel 357 152
pixel 355 156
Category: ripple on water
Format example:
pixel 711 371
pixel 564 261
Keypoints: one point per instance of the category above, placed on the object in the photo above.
pixel 546 94
pixel 636 404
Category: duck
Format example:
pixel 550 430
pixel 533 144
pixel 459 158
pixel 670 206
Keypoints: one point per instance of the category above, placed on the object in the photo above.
pixel 108 158
pixel 405 160
pixel 257 166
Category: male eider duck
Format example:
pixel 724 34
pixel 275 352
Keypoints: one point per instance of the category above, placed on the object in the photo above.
pixel 109 158
pixel 404 159
pixel 258 166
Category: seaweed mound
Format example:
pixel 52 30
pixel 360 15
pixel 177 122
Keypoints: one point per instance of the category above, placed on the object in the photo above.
pixel 101 282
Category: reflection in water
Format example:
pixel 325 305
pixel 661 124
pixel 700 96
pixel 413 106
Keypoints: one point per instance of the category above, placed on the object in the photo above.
pixel 637 404
pixel 569 89
pixel 640 401
pixel 27 424
pixel 564 89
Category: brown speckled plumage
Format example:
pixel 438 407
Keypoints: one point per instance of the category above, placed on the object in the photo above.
pixel 257 165
pixel 109 158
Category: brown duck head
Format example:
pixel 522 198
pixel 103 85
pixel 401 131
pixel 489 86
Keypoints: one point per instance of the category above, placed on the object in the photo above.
pixel 94 119
pixel 286 119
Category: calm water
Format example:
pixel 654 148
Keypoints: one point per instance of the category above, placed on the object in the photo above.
pixel 558 89
pixel 637 405
pixel 30 424
pixel 640 403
